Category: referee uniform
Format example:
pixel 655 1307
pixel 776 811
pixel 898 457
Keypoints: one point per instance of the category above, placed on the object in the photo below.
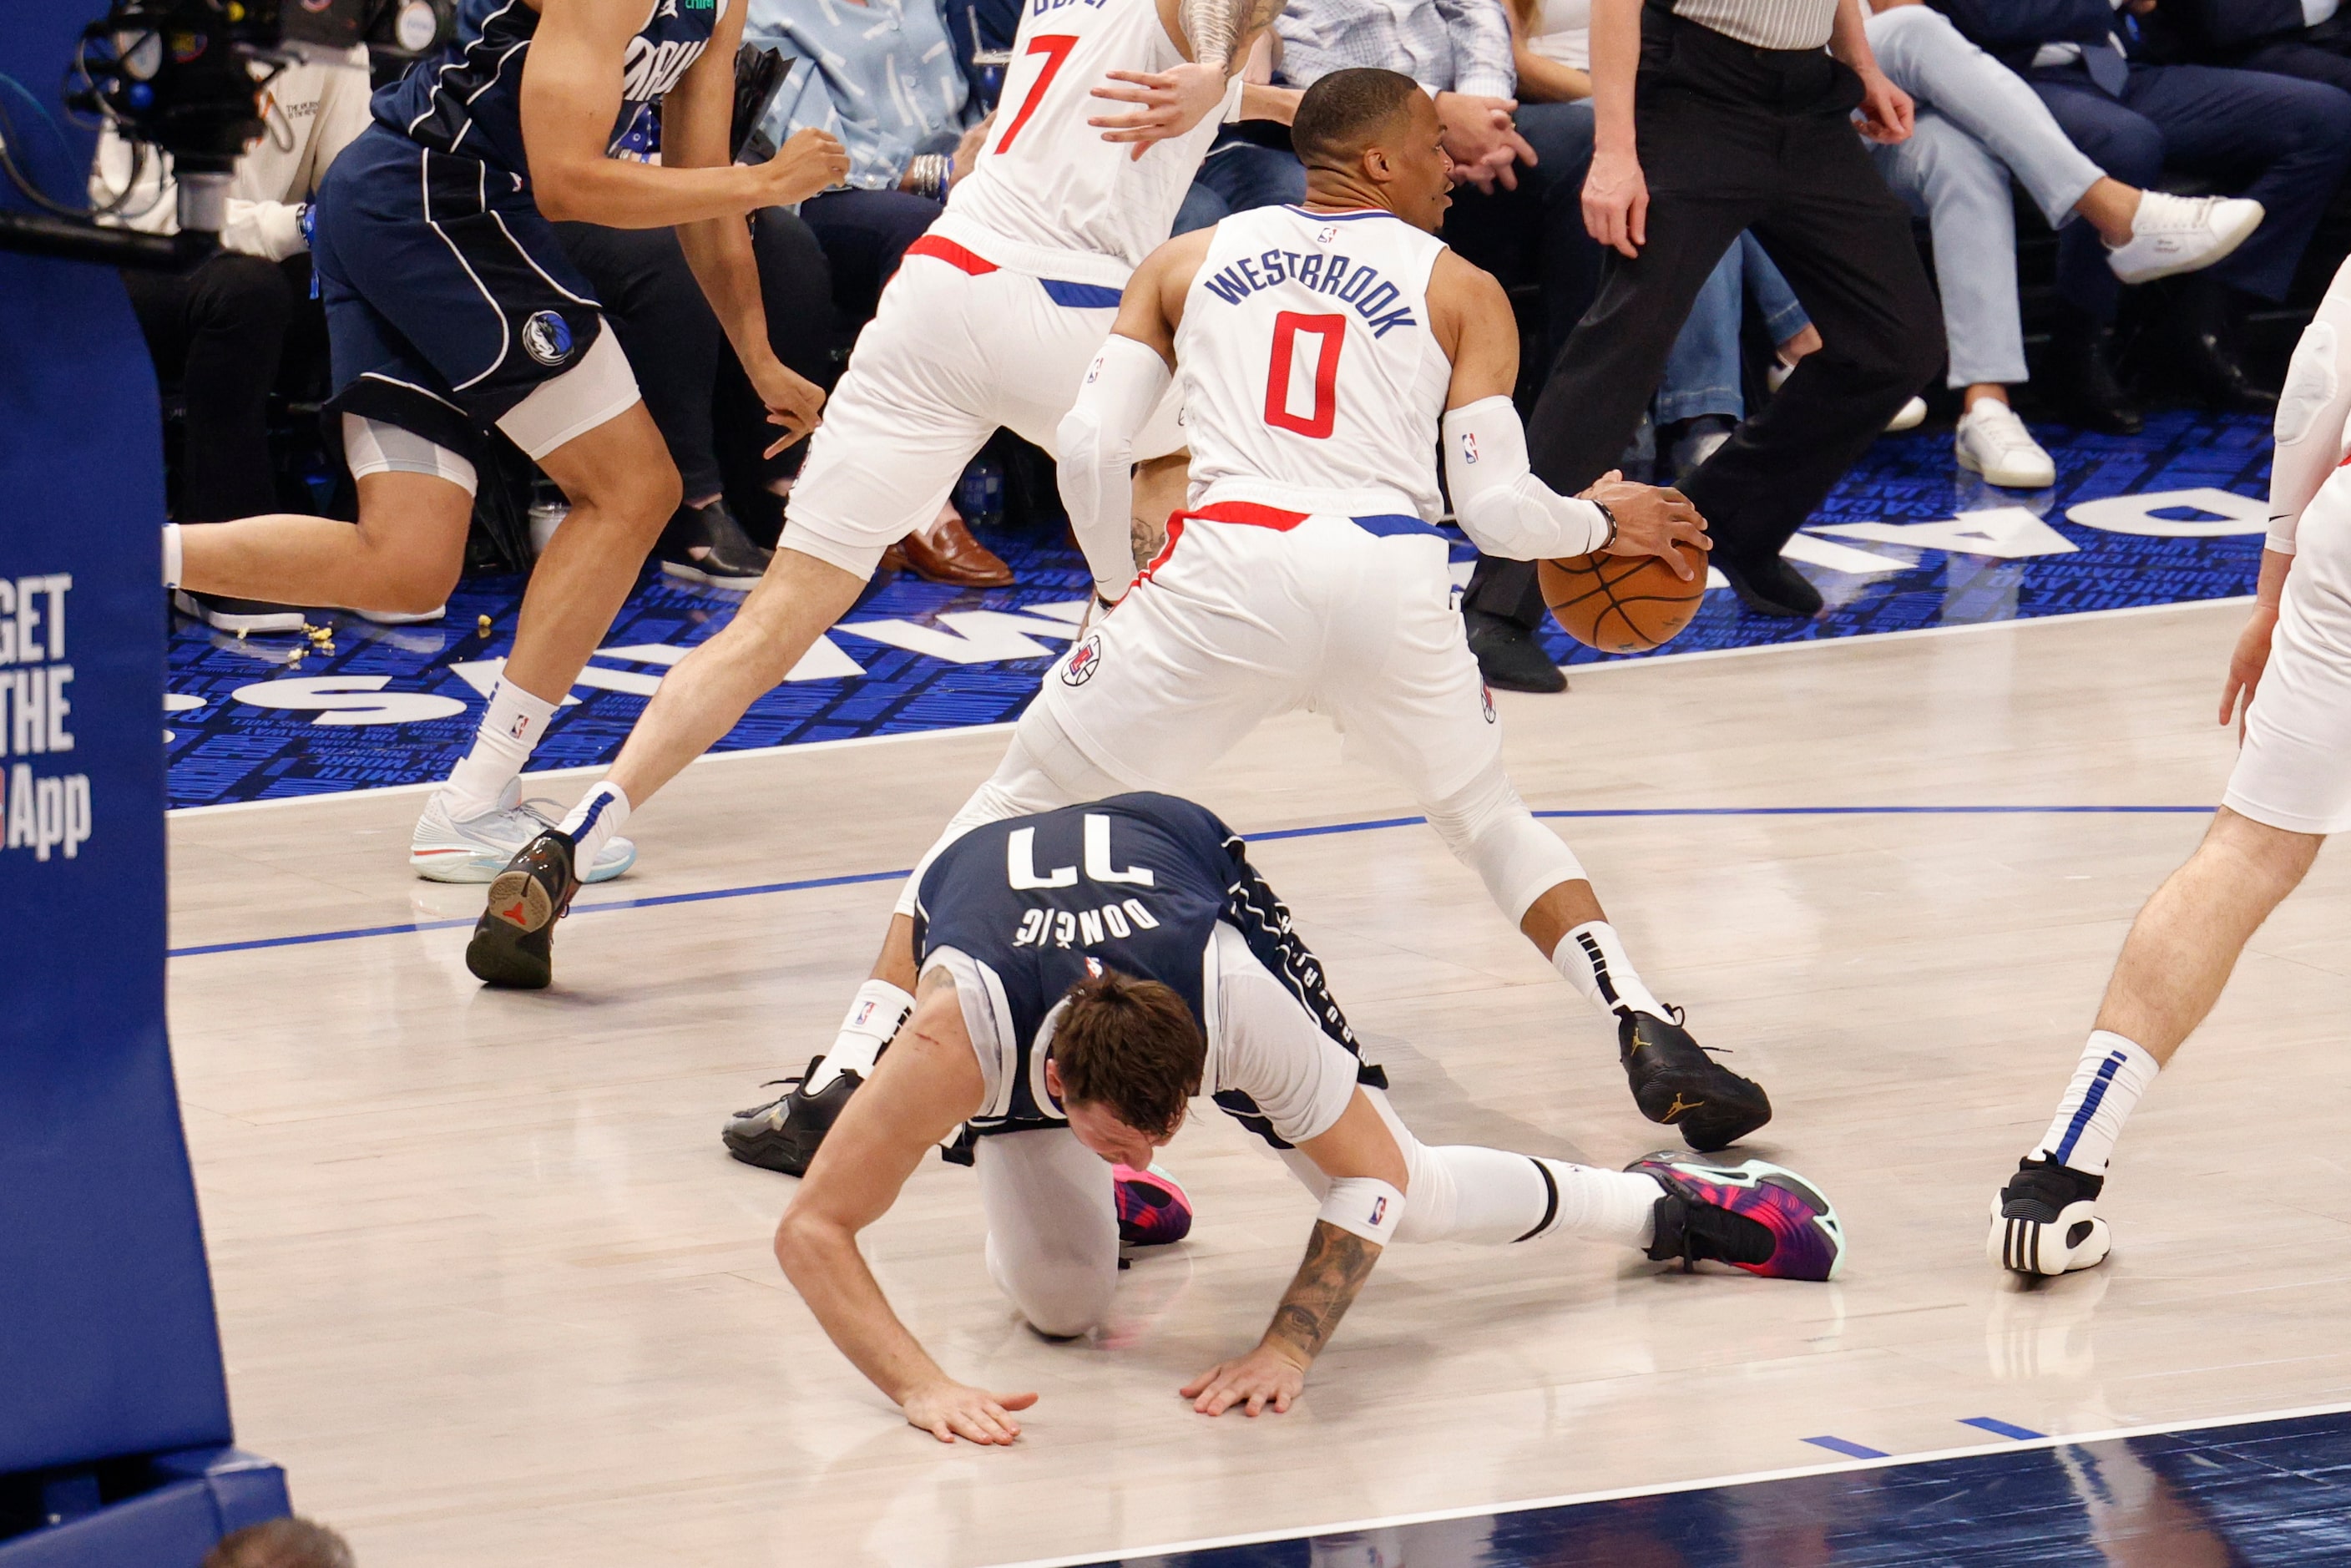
pixel 1741 122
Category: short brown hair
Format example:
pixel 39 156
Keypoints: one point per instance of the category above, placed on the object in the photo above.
pixel 1132 1045
pixel 281 1543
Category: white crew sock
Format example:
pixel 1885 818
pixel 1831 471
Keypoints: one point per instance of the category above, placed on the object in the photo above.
pixel 172 561
pixel 873 1021
pixel 501 745
pixel 1602 1206
pixel 2107 1082
pixel 1593 961
pixel 601 813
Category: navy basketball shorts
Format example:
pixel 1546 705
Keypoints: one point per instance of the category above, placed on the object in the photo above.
pixel 451 308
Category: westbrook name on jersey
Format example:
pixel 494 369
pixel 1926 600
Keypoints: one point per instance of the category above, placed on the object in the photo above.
pixel 468 100
pixel 1138 883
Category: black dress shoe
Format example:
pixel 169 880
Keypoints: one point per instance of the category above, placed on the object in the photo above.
pixel 1509 656
pixel 2082 377
pixel 1770 586
pixel 2208 349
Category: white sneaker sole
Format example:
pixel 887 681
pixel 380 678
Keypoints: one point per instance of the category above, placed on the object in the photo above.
pixel 2029 1247
pixel 2006 478
pixel 2230 238
pixel 457 864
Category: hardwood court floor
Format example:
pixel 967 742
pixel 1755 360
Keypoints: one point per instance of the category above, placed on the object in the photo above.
pixel 493 1293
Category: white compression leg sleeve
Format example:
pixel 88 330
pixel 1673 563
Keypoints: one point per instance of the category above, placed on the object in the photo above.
pixel 1052 1228
pixel 1489 829
pixel 1461 1192
pixel 1041 771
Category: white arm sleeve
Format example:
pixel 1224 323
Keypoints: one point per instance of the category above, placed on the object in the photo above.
pixel 2311 409
pixel 1096 462
pixel 1270 1049
pixel 1500 504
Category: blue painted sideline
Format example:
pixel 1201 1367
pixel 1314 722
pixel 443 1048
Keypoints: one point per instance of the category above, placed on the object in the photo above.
pixel 1326 830
pixel 2001 1429
pixel 1850 1450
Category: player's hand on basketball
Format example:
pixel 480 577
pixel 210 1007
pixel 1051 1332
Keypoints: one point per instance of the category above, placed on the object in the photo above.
pixel 1166 103
pixel 1652 520
pixel 2246 662
pixel 950 1410
pixel 1264 1378
pixel 793 400
pixel 810 161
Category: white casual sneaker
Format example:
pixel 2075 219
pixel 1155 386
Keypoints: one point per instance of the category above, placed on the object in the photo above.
pixel 1994 441
pixel 1909 416
pixel 2181 234
pixel 476 849
pixel 402 617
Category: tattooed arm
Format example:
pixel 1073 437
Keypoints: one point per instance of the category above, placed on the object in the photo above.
pixel 1337 1263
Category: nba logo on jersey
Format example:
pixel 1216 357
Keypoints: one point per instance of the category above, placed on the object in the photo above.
pixel 1084 660
pixel 547 338
pixel 1329 232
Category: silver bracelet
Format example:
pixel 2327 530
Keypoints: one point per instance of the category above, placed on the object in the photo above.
pixel 927 174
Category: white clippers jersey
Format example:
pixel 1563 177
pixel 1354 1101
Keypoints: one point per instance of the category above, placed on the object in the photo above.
pixel 1049 196
pixel 1311 378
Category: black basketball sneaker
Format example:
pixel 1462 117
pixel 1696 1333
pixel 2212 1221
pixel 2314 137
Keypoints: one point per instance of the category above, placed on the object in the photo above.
pixel 784 1134
pixel 514 941
pixel 1677 1083
pixel 2045 1221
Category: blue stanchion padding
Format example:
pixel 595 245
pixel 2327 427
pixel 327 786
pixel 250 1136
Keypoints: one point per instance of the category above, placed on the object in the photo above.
pixel 109 1359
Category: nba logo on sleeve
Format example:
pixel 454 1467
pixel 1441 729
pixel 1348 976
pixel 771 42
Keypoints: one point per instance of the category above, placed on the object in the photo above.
pixel 547 338
pixel 1084 660
pixel 1468 446
pixel 1379 1209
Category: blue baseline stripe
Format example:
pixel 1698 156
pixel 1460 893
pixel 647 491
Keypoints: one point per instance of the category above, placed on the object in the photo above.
pixel 2001 1428
pixel 1323 830
pixel 1851 1450
pixel 2089 1108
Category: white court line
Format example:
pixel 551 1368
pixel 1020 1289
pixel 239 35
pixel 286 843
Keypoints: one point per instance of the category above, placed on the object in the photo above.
pixel 1865 639
pixel 1752 1478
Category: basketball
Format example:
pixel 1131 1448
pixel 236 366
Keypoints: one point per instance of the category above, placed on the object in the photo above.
pixel 1622 603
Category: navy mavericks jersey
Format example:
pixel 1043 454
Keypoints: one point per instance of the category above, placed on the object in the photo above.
pixel 468 99
pixel 1135 883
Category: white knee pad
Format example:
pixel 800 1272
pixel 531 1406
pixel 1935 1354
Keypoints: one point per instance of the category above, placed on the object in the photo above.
pixel 1489 829
pixel 1061 1301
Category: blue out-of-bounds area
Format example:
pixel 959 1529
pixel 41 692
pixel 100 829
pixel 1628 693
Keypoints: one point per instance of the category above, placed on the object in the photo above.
pixel 1906 541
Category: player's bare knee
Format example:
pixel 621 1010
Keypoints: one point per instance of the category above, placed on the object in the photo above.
pixel 2278 857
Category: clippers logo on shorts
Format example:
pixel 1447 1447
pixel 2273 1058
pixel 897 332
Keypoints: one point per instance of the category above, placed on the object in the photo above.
pixel 547 338
pixel 1485 695
pixel 1083 661
pixel 1379 1209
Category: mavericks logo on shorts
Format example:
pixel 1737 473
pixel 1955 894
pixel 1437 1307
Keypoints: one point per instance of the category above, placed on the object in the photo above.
pixel 547 338
pixel 1083 661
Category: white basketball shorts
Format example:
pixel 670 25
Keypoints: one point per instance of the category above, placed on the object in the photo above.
pixel 2294 771
pixel 958 347
pixel 1250 611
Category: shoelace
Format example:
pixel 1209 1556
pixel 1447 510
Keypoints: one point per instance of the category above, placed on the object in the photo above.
pixel 1680 1013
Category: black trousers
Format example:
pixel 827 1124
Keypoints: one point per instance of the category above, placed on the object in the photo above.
pixel 219 332
pixel 1735 138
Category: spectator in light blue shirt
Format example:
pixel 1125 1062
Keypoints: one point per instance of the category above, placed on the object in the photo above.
pixel 883 77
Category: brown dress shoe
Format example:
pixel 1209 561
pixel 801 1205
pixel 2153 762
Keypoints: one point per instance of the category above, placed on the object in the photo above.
pixel 946 552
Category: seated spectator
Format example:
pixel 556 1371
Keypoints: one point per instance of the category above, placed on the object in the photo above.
pixel 2132 119
pixel 883 77
pixel 2305 38
pixel 1977 122
pixel 219 332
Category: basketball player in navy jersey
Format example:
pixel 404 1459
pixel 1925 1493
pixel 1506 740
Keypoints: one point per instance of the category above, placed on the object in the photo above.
pixel 1085 973
pixel 450 306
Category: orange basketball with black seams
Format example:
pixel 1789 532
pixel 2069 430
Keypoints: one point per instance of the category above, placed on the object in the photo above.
pixel 1622 603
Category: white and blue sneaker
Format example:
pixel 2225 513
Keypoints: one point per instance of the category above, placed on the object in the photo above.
pixel 477 849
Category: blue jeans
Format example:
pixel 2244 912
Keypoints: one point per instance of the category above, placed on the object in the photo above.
pixel 1702 370
pixel 1237 175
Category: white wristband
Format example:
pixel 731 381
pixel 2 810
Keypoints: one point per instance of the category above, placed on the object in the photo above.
pixel 1363 1206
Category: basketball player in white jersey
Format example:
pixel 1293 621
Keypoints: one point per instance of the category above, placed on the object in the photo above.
pixel 1066 1021
pixel 2289 688
pixel 1319 348
pixel 1108 108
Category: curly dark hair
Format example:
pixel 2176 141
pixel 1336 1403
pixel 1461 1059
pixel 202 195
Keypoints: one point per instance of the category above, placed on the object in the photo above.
pixel 1132 1045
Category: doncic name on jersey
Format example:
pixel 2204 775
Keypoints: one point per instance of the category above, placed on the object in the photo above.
pixel 1081 928
pixel 1338 276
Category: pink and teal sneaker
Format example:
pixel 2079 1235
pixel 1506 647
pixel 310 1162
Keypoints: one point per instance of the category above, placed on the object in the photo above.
pixel 1151 1209
pixel 1754 1216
